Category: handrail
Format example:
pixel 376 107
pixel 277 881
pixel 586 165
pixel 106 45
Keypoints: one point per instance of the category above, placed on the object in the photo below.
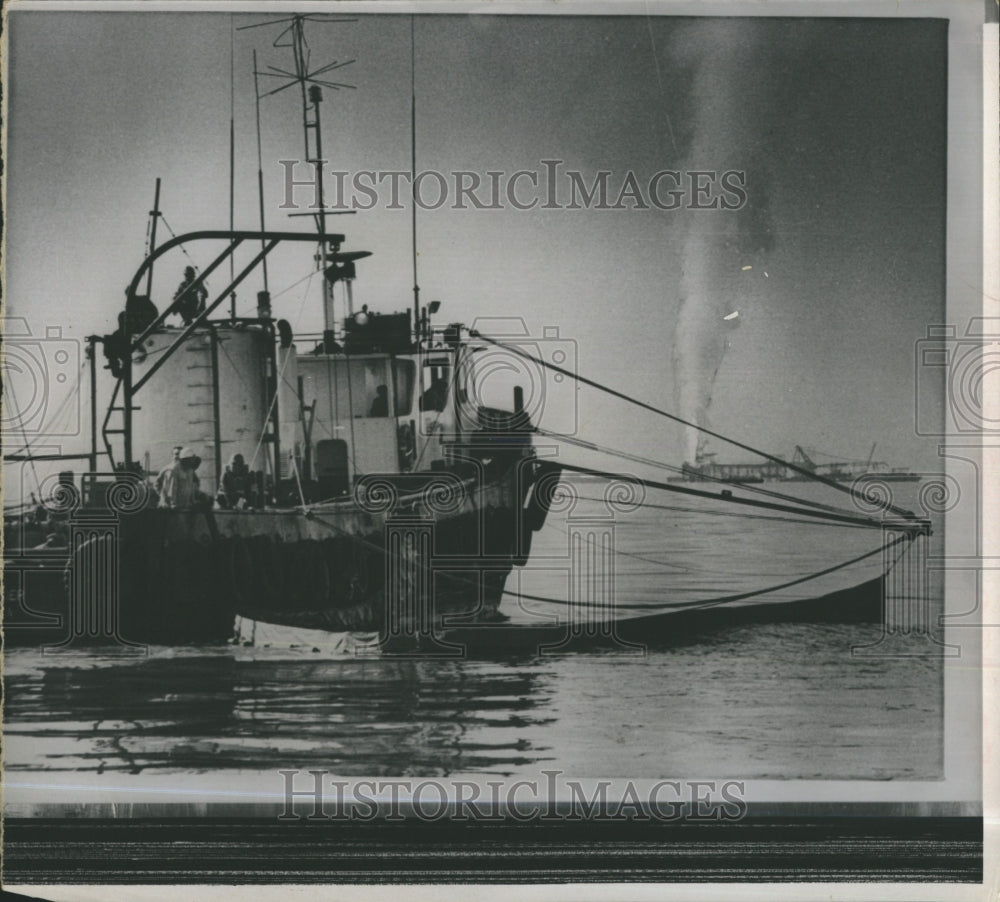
pixel 235 239
pixel 268 240
pixel 200 318
pixel 223 234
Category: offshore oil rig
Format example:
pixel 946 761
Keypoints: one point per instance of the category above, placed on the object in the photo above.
pixel 707 468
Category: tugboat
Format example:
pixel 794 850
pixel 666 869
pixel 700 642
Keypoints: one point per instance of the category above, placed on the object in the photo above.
pixel 356 480
pixel 367 488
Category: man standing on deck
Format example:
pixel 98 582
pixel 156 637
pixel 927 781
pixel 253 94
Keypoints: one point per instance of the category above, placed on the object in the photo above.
pixel 165 478
pixel 180 480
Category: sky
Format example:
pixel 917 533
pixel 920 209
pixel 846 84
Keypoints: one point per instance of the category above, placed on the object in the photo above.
pixel 835 265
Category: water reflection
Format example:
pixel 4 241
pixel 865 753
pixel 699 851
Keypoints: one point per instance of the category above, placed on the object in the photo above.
pixel 201 713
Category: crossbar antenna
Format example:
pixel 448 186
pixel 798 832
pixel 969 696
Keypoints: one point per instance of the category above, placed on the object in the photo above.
pixel 311 82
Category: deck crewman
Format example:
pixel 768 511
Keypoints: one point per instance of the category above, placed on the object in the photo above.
pixel 189 301
pixel 235 484
pixel 165 478
pixel 180 480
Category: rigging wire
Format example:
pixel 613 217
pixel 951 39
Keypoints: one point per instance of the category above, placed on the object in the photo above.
pixel 184 250
pixel 413 170
pixel 56 418
pixel 682 568
pixel 726 599
pixel 281 379
pixel 350 409
pixel 733 499
pixel 475 333
pixel 31 460
pixel 738 515
pixel 625 455
pixel 260 167
pixel 427 440
pixel 232 154
pixel 294 284
pixel 646 609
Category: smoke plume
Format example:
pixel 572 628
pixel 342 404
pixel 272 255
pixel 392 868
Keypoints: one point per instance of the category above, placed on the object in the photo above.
pixel 722 251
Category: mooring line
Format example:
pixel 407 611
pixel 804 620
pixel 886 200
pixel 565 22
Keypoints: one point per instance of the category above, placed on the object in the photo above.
pixel 638 458
pixel 726 599
pixel 725 495
pixel 802 471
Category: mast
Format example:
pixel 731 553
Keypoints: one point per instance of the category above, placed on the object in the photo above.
pixel 413 176
pixel 127 361
pixel 310 83
pixel 92 358
pixel 154 217
pixel 316 98
pixel 232 157
pixel 260 181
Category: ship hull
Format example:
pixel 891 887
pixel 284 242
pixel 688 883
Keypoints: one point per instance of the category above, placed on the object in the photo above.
pixel 393 559
pixel 862 603
pixel 424 556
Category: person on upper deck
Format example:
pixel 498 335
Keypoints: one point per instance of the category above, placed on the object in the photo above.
pixel 189 301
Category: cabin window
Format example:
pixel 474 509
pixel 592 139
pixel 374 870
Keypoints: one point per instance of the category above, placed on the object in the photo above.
pixel 357 387
pixel 404 374
pixel 367 387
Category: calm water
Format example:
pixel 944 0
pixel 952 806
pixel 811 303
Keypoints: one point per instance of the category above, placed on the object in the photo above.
pixel 761 701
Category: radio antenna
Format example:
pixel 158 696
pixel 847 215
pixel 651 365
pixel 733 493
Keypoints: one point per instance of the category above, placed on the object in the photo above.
pixel 260 169
pixel 413 173
pixel 232 159
pixel 310 82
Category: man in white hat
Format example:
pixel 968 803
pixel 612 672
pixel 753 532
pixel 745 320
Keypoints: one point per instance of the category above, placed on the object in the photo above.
pixel 180 482
pixel 165 478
